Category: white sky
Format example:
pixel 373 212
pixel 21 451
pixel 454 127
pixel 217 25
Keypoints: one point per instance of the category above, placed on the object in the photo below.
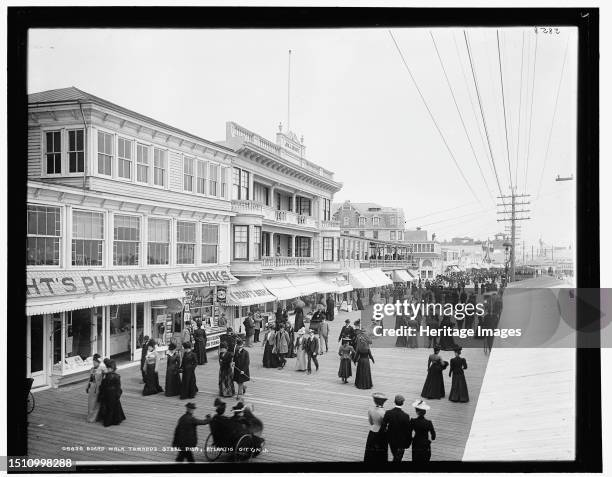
pixel 356 106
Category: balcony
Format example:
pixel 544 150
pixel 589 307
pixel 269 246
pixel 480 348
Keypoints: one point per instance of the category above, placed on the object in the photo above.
pixel 249 207
pixel 329 224
pixel 288 217
pixel 288 263
pixel 376 263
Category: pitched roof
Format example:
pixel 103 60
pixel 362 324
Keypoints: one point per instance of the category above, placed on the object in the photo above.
pixel 362 207
pixel 72 94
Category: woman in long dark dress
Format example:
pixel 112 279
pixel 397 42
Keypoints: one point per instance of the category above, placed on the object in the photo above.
pixel 363 375
pixel 199 336
pixel 402 340
pixel 173 377
pixel 376 444
pixel 459 390
pixel 269 358
pixel 151 375
pixel 111 412
pixel 346 353
pixel 291 349
pixel 299 317
pixel 447 343
pixel 434 384
pixel 188 366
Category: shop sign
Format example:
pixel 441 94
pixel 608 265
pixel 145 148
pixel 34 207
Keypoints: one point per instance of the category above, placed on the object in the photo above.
pixel 221 294
pixel 45 284
pixel 244 293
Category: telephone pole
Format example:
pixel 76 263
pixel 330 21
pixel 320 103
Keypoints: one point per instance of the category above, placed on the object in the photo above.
pixel 510 213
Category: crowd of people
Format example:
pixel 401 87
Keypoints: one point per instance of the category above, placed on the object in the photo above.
pixel 304 341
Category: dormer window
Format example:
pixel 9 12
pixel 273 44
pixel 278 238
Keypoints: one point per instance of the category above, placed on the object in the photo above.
pixel 362 221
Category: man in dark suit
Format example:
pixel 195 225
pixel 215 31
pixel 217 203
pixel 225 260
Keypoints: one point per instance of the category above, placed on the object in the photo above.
pixel 396 426
pixel 331 308
pixel 420 430
pixel 186 434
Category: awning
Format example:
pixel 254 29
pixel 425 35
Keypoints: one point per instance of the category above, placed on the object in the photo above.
pixel 359 279
pixel 378 277
pixel 341 283
pixel 411 275
pixel 249 292
pixel 308 284
pixel 39 306
pixel 280 287
pixel 401 276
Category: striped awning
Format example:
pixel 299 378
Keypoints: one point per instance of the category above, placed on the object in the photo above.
pixel 401 276
pixel 308 284
pixel 249 292
pixel 280 287
pixel 359 279
pixel 378 277
pixel 45 305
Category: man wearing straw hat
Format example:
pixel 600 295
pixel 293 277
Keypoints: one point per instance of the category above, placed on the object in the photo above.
pixel 420 430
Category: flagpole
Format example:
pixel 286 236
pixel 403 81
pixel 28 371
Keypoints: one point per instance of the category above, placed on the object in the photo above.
pixel 289 94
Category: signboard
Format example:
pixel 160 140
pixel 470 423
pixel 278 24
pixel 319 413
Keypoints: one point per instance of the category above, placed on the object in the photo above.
pixel 69 282
pixel 221 294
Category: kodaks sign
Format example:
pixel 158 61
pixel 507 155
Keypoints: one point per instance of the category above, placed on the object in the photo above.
pixel 41 284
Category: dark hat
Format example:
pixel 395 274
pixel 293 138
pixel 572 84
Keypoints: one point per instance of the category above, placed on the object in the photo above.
pixel 458 349
pixel 347 321
pixel 239 341
pixel 357 322
pixel 218 402
pixel 172 346
pixel 436 349
pixel 187 345
pixel 190 405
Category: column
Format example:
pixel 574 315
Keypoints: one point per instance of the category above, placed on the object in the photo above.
pixel 293 244
pixel 293 202
pixel 272 248
pixel 251 191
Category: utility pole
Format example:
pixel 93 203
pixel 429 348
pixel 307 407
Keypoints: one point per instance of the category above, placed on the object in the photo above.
pixel 512 215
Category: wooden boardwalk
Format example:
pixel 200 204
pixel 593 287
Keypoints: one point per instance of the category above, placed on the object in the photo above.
pixel 526 409
pixel 306 418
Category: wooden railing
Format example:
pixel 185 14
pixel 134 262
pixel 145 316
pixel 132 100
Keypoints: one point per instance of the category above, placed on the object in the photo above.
pixel 288 217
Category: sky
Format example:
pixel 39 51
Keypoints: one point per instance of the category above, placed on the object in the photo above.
pixel 359 110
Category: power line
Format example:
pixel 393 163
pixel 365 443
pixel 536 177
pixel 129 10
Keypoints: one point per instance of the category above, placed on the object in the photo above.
pixel 459 112
pixel 432 116
pixel 501 79
pixel 467 87
pixel 518 136
pixel 459 217
pixel 535 59
pixel 440 211
pixel 554 116
pixel 484 120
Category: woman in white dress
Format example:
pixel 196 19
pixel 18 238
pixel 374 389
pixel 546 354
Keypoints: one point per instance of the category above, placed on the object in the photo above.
pixel 93 389
pixel 301 361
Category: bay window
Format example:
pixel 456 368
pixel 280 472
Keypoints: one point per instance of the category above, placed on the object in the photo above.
pixel 241 242
pixel 43 235
pixel 257 242
pixel 126 243
pixel 158 246
pixel 87 238
pixel 328 249
pixel 76 151
pixel 53 152
pixel 105 153
pixel 210 243
pixel 185 243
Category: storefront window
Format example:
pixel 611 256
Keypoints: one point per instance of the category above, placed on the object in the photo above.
pixel 186 242
pixel 120 331
pixel 210 243
pixel 158 247
pixel 158 322
pixel 57 338
pixel 80 334
pixel 87 238
pixel 126 244
pixel 44 230
pixel 139 323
